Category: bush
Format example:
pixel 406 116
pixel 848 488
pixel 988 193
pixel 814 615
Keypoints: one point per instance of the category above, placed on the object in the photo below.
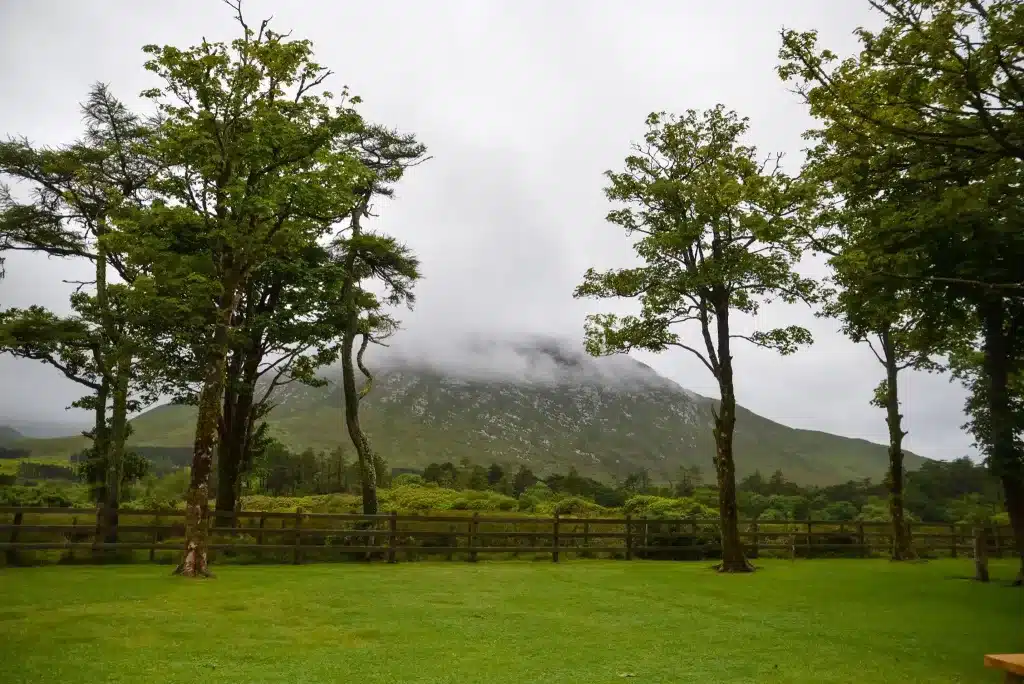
pixel 45 495
pixel 648 506
pixel 408 480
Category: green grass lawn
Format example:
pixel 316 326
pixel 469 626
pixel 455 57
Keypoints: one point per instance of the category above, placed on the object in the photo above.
pixel 581 621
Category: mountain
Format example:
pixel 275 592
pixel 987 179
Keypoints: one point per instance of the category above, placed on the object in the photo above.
pixel 9 435
pixel 537 401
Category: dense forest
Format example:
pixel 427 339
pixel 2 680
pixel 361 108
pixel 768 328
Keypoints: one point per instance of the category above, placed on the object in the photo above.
pixel 230 225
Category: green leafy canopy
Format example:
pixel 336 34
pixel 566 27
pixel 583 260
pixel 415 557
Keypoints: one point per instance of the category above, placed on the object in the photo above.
pixel 719 233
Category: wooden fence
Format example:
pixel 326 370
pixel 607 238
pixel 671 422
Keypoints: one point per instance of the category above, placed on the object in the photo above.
pixel 39 535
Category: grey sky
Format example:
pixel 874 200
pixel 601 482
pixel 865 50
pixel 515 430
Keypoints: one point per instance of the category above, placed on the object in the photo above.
pixel 523 105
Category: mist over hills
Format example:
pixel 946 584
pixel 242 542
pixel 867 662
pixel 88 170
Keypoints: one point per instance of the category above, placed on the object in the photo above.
pixel 538 401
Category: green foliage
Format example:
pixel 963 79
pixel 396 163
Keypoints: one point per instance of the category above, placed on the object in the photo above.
pixel 920 145
pixel 645 506
pixel 48 494
pixel 718 233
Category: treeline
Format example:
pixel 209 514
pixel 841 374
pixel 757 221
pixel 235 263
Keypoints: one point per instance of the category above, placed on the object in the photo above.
pixel 958 491
pixel 232 252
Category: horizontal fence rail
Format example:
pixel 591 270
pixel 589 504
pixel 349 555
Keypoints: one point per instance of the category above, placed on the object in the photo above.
pixel 39 535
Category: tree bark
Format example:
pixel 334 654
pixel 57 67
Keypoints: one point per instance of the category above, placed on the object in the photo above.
pixel 101 449
pixel 367 469
pixel 733 559
pixel 101 439
pixel 1013 490
pixel 118 435
pixel 901 548
pixel 1003 457
pixel 197 504
pixel 237 429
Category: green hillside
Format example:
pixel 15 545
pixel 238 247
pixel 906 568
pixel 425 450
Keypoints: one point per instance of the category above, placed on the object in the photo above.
pixel 606 417
pixel 9 435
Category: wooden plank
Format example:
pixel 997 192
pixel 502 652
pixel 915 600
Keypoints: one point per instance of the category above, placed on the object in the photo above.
pixel 554 539
pixel 141 546
pixel 297 556
pixel 392 536
pixel 473 524
pixel 1012 663
pixel 12 554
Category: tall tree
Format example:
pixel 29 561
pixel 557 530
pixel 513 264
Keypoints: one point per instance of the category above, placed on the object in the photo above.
pixel 932 110
pixel 719 236
pixel 76 191
pixel 285 328
pixel 890 326
pixel 252 159
pixel 370 260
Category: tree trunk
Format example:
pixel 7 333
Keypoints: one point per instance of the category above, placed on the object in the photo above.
pixel 733 559
pixel 118 435
pixel 101 440
pixel 240 410
pixel 236 429
pixel 1013 490
pixel 197 503
pixel 901 548
pixel 1003 457
pixel 101 450
pixel 367 469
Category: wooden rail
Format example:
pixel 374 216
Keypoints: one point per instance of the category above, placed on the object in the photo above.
pixel 29 535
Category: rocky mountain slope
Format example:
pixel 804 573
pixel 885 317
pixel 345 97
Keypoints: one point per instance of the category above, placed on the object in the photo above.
pixel 542 403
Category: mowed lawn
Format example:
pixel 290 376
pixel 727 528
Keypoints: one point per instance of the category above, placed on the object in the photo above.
pixel 517 622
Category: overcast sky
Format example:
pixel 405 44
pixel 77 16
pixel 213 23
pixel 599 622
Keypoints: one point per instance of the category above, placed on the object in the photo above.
pixel 523 104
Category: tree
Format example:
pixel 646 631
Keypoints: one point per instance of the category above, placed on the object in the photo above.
pixel 932 111
pixel 523 480
pixel 367 257
pixel 495 475
pixel 284 329
pixel 719 235
pixel 252 164
pixel 891 328
pixel 690 478
pixel 78 190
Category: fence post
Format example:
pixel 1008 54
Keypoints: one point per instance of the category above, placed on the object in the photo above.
pixel 297 556
pixel 954 540
pixel 981 554
pixel 755 545
pixel 392 534
pixel 998 546
pixel 910 538
pixel 97 537
pixel 259 535
pixel 155 539
pixel 586 534
pixel 862 540
pixel 554 539
pixel 809 539
pixel 12 553
pixel 471 540
pixel 629 537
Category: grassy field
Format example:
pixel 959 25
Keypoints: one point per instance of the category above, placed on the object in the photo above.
pixel 586 621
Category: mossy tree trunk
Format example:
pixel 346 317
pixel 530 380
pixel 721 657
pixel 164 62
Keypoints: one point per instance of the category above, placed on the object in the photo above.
pixel 1003 457
pixel 194 563
pixel 733 558
pixel 901 548
pixel 367 470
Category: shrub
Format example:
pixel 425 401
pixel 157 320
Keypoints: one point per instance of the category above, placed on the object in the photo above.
pixel 407 480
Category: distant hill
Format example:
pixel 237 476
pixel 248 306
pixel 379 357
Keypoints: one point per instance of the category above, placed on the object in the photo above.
pixel 9 435
pixel 539 402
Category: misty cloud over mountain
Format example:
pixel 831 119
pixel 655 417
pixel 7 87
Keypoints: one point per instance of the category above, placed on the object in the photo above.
pixel 520 359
